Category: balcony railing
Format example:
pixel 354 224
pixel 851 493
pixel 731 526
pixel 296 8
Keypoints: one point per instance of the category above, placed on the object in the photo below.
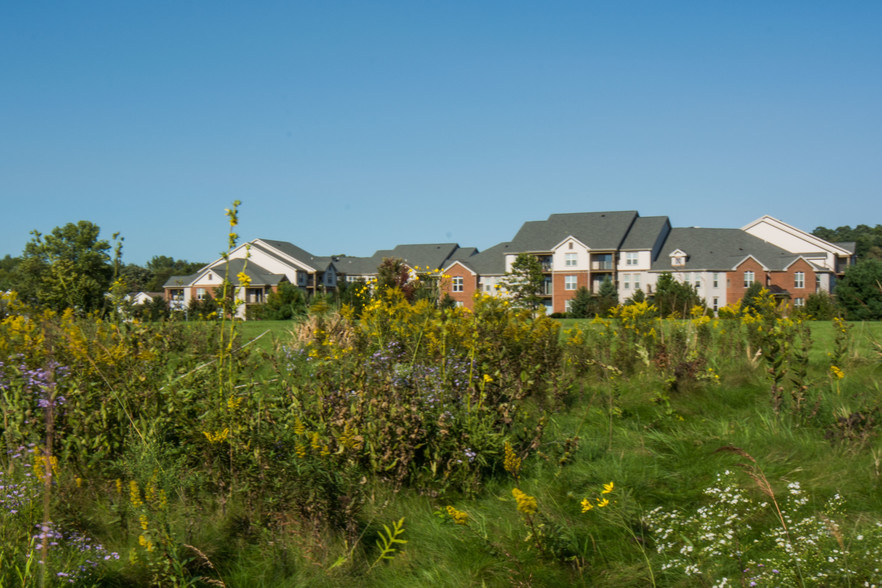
pixel 602 265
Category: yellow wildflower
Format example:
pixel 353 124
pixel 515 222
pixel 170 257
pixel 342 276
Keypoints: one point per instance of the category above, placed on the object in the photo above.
pixel 602 503
pixel 244 280
pixel 487 378
pixel 512 462
pixel 145 543
pixel 459 517
pixel 586 505
pixel 526 504
pixel 837 373
pixel 135 494
pixel 218 437
pixel 607 488
pixel 143 520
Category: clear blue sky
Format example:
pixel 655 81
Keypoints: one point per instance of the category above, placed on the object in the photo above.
pixel 346 127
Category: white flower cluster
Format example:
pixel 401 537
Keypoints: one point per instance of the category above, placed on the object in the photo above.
pixel 715 540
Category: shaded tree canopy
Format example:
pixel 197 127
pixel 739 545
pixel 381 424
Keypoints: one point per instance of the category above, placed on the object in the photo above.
pixel 859 292
pixel 867 239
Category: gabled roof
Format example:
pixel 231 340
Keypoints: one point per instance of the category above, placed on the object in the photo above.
pixel 719 249
pixel 259 276
pixel 490 262
pixel 816 242
pixel 307 259
pixel 597 230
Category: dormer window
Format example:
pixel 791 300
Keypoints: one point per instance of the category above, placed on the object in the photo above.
pixel 678 258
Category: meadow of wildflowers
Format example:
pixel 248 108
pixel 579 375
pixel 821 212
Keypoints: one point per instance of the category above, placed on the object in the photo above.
pixel 397 441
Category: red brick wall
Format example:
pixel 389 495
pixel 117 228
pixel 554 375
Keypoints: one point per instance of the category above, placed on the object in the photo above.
pixel 786 280
pixel 469 285
pixel 560 295
pixel 735 280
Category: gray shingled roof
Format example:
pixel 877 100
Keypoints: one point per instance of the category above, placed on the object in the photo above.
pixel 259 276
pixel 357 266
pixel 180 281
pixel 645 232
pixel 296 252
pixel 597 230
pixel 427 255
pixel 490 262
pixel 719 249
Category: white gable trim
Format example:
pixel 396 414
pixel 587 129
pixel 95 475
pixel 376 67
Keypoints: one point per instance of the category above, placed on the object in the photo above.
pixel 798 233
pixel 302 265
pixel 460 264
pixel 568 239
pixel 745 258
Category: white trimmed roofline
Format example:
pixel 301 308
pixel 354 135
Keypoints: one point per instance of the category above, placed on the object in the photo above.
pixel 461 264
pixel 750 256
pixel 567 238
pixel 824 245
pixel 284 256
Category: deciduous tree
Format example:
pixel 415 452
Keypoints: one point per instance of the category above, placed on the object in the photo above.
pixel 68 268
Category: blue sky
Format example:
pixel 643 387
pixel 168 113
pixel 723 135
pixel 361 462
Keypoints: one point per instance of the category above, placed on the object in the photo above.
pixel 346 127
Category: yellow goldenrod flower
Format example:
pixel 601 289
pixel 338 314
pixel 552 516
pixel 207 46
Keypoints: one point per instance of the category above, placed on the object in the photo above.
pixel 512 462
pixel 487 378
pixel 135 494
pixel 526 504
pixel 143 520
pixel 118 486
pixel 607 488
pixel 837 373
pixel 586 505
pixel 218 437
pixel 459 517
pixel 79 482
pixel 244 280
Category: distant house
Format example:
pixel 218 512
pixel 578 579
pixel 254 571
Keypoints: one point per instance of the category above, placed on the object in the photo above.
pixel 266 263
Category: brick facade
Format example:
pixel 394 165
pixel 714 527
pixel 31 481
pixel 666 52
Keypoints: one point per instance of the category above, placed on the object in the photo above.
pixel 560 294
pixel 469 285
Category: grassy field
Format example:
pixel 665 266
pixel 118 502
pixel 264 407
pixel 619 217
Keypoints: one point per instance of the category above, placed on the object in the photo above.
pixel 414 448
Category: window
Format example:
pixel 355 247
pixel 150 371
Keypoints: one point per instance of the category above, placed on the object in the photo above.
pixel 568 305
pixel 457 284
pixel 748 279
pixel 571 259
pixel 697 280
pixel 716 281
pixel 631 258
pixel 636 281
pixel 716 304
pixel 626 281
pixel 798 302
pixel 569 282
pixel 201 294
pixel 799 280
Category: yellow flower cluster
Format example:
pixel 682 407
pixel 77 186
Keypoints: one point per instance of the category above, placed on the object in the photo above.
pixel 837 373
pixel 218 437
pixel 601 501
pixel 526 503
pixel 512 462
pixel 459 517
pixel 244 279
pixel 42 462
